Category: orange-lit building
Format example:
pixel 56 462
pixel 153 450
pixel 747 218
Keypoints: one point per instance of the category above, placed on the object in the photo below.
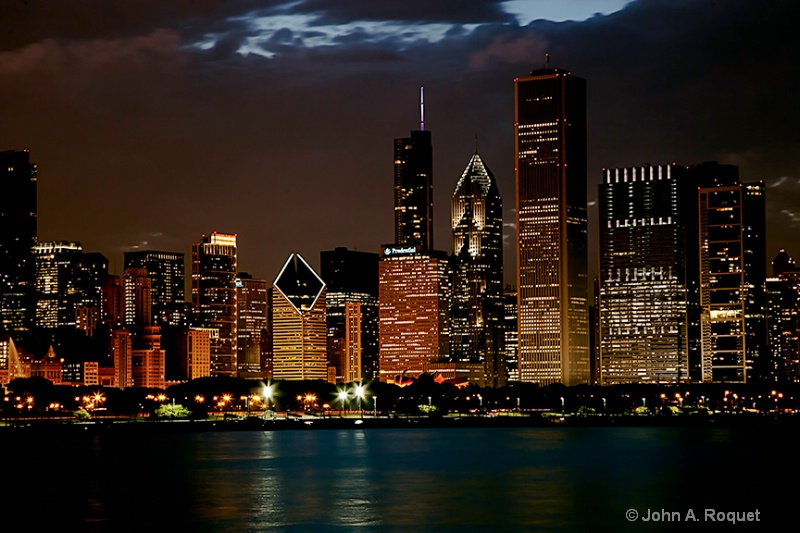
pixel 552 260
pixel 299 331
pixel 194 353
pixel 414 299
pixel 148 360
pixel 48 368
pixel 122 352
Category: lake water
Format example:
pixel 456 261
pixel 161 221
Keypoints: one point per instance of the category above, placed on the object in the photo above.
pixel 502 479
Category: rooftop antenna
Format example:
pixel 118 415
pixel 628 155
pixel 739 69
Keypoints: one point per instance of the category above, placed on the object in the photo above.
pixel 422 108
pixel 476 143
pixel 547 61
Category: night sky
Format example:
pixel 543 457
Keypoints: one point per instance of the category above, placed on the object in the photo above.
pixel 155 122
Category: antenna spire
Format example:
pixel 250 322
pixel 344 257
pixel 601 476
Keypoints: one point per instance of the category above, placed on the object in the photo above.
pixel 547 61
pixel 422 108
pixel 476 143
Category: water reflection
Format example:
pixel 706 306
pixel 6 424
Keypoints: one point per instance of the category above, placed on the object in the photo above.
pixel 420 480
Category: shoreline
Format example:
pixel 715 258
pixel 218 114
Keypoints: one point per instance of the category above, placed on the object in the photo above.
pixel 371 422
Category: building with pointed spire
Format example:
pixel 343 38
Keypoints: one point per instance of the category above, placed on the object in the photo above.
pixel 476 316
pixel 552 261
pixel 299 332
pixel 413 187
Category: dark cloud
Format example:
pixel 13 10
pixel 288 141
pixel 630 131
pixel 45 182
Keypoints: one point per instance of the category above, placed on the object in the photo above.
pixel 137 132
pixel 410 11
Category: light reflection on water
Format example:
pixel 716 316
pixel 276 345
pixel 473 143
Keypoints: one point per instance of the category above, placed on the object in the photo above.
pixel 548 479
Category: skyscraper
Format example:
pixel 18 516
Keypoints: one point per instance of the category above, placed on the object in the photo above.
pixel 18 233
pixel 476 210
pixel 299 340
pixel 351 276
pixel 166 273
pixel 138 297
pixel 642 294
pixel 53 262
pixel 552 278
pixel 731 274
pixel 251 299
pixel 414 296
pixel 214 270
pixel 413 189
pixel 783 320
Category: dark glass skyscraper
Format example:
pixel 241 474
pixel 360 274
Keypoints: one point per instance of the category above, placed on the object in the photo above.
pixel 552 277
pixel 731 274
pixel 351 277
pixel 18 233
pixel 476 332
pixel 413 190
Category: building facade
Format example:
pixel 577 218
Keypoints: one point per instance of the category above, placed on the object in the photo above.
pixel 251 299
pixel 166 271
pixel 414 299
pixel 552 277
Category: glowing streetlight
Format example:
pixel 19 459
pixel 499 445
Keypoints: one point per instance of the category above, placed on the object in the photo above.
pixel 360 390
pixel 342 397
pixel 268 394
pixel 562 405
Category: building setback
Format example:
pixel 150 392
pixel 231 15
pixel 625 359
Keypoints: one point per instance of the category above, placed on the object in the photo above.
pixel 552 280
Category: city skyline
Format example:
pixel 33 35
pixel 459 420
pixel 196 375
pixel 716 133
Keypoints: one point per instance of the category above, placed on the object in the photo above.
pixel 215 119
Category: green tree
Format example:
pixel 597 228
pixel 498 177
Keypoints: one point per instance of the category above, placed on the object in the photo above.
pixel 169 410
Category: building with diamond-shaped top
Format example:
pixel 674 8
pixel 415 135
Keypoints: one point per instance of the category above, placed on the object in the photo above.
pixel 299 332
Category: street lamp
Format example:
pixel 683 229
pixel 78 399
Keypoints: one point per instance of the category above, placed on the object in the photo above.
pixel 375 399
pixel 268 394
pixel 562 405
pixel 360 395
pixel 342 397
pixel 604 406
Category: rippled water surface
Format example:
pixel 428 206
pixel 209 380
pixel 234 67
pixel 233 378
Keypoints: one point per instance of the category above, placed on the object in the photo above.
pixel 538 479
